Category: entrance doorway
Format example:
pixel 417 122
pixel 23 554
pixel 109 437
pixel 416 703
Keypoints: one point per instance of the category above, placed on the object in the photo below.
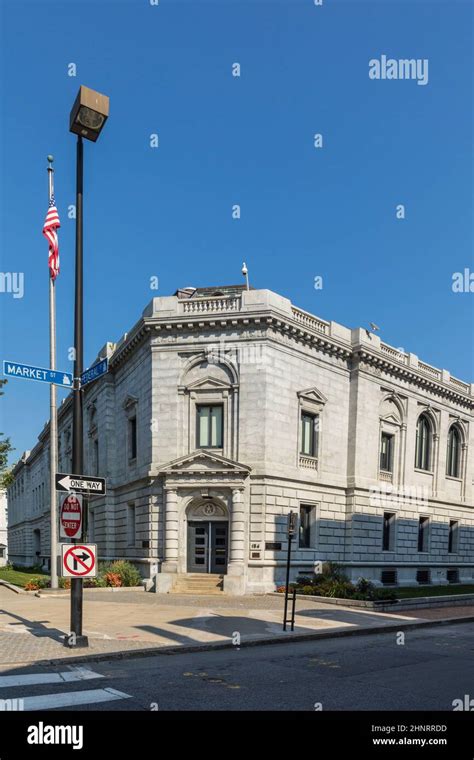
pixel 208 544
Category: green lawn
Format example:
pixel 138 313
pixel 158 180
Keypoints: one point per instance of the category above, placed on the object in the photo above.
pixel 19 577
pixel 450 590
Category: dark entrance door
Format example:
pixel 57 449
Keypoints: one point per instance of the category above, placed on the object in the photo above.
pixel 207 547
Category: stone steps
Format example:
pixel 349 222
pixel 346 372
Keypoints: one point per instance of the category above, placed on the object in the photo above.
pixel 198 583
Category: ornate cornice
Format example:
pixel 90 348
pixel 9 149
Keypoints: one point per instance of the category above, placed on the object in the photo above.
pixel 309 333
pixel 377 362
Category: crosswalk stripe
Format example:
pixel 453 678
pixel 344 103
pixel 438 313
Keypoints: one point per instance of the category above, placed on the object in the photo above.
pixel 72 698
pixel 30 679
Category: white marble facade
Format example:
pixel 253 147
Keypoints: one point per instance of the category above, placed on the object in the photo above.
pixel 262 376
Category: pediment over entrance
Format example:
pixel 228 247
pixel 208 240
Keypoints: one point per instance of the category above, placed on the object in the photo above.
pixel 205 463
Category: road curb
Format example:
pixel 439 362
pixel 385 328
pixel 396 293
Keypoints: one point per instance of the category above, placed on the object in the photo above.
pixel 12 587
pixel 280 639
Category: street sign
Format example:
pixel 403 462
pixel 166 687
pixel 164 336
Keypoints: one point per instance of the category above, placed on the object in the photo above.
pixel 94 372
pixel 71 517
pixel 79 560
pixel 27 372
pixel 80 484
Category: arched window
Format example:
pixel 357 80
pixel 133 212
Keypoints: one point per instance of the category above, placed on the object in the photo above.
pixel 423 443
pixel 454 451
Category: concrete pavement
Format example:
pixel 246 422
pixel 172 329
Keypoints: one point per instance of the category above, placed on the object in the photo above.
pixel 32 628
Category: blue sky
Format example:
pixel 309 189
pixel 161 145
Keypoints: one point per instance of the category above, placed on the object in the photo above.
pixel 224 140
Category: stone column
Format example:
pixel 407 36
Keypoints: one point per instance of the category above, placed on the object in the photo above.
pixel 463 470
pixel 435 463
pixel 237 528
pixel 170 561
pixel 234 581
pixel 402 457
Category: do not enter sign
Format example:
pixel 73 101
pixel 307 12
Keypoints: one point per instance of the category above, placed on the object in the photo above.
pixel 71 516
pixel 79 560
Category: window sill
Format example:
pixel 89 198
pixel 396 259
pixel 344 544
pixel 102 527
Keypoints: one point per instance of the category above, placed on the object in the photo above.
pixel 424 472
pixel 451 477
pixel 307 461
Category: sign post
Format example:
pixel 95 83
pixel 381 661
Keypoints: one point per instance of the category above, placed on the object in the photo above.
pixel 78 560
pixel 291 530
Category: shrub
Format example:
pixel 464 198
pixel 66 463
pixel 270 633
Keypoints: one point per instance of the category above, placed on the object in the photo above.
pixel 385 594
pixel 113 579
pixel 308 590
pixel 334 583
pixel 36 583
pixel 342 589
pixel 64 582
pixel 127 572
pixel 31 586
pixel 365 589
pixel 306 580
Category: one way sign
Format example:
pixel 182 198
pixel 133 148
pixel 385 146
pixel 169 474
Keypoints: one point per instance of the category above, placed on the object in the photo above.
pixel 80 484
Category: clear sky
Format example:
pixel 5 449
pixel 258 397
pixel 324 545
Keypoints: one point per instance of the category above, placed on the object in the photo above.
pixel 248 140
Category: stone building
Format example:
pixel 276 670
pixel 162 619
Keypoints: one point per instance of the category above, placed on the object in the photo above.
pixel 223 410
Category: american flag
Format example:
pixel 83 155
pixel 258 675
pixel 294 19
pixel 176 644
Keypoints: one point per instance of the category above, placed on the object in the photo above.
pixel 49 231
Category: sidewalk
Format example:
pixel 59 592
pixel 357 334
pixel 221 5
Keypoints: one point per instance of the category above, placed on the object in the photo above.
pixel 136 622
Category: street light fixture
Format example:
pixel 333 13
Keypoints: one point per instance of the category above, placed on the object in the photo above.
pixel 89 113
pixel 88 116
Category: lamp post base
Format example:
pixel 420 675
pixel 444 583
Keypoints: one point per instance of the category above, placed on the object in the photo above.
pixel 71 641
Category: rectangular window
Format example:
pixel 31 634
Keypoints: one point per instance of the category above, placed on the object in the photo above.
pixel 209 427
pixel 305 526
pixel 388 539
pixel 309 434
pixel 2 552
pixel 423 529
pixel 95 456
pixel 131 527
pixel 386 452
pixel 132 438
pixel 453 536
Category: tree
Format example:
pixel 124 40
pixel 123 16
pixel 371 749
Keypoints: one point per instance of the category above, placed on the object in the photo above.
pixel 6 477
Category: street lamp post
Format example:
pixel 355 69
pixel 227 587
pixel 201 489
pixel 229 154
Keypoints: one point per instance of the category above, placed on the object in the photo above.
pixel 88 116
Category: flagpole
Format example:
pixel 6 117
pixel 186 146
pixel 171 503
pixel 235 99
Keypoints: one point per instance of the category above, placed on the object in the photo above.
pixel 53 425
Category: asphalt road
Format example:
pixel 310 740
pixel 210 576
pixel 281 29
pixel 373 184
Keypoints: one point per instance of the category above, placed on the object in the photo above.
pixel 431 669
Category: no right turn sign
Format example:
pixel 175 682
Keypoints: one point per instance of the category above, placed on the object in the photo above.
pixel 79 560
